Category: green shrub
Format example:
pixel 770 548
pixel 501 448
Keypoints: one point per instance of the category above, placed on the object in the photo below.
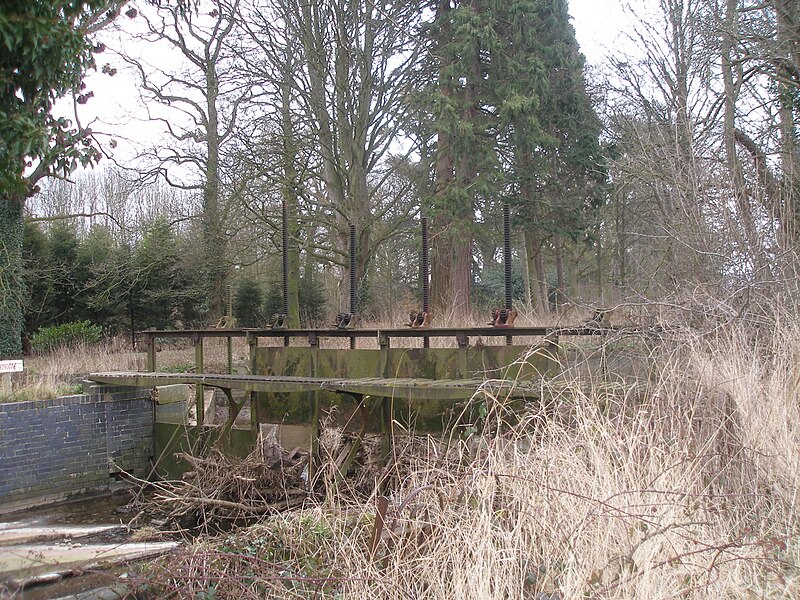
pixel 68 335
pixel 311 296
pixel 247 304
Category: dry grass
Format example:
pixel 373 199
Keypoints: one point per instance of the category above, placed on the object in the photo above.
pixel 60 373
pixel 684 485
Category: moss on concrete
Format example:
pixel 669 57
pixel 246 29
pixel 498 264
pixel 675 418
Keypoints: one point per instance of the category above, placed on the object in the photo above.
pixel 504 362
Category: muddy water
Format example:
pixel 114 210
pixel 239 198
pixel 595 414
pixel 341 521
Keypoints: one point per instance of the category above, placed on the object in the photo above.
pixel 88 511
pixel 62 550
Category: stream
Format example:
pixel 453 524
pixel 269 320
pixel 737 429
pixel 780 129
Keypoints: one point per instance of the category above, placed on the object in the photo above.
pixel 77 550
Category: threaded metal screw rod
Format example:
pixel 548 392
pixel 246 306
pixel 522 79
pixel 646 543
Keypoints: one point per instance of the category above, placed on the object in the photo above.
pixel 229 341
pixel 507 261
pixel 507 253
pixel 425 267
pixel 352 278
pixel 425 274
pixel 285 250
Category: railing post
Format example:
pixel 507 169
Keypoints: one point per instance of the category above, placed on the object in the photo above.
pixel 252 344
pixel 463 344
pixel 151 352
pixel 551 340
pixel 383 345
pixel 386 431
pixel 199 390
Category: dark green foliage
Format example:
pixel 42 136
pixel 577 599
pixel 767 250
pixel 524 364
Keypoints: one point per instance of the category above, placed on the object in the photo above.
pixel 12 280
pixel 43 55
pixel 101 262
pixel 557 174
pixel 247 301
pixel 65 278
pixel 35 262
pixel 513 123
pixel 67 335
pixel 462 104
pixel 119 287
pixel 489 291
pixel 312 301
pixel 44 52
pixel 59 270
pixel 193 301
pixel 36 277
pixel 157 284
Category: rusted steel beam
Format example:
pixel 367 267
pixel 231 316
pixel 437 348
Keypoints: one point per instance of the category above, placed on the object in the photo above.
pixel 391 332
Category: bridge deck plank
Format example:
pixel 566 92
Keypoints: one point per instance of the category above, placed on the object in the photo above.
pixel 403 388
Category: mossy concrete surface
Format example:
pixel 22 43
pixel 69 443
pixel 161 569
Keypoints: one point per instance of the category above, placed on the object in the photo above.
pixel 171 439
pixel 175 433
pixel 490 362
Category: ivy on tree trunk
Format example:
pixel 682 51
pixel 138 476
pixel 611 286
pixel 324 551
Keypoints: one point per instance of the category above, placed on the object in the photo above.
pixel 12 286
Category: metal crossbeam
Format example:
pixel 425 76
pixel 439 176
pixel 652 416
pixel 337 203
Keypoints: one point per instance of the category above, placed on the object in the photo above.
pixel 378 333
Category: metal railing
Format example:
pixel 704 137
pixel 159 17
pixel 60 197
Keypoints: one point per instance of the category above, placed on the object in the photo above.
pixel 382 337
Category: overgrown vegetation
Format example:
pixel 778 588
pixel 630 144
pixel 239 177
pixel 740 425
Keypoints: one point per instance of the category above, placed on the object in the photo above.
pixel 68 335
pixel 681 485
pixel 60 372
pixel 121 287
pixel 663 186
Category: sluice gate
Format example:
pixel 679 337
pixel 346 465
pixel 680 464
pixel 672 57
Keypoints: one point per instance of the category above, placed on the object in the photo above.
pixel 374 389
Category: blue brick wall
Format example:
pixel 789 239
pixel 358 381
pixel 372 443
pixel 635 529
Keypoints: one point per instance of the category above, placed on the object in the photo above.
pixel 58 448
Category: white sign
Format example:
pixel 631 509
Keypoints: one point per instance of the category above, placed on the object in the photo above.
pixel 10 366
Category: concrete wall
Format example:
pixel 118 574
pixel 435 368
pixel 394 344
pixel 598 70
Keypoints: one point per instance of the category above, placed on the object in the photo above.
pixel 53 449
pixel 507 362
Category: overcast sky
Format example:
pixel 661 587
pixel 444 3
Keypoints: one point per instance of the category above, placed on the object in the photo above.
pixel 598 24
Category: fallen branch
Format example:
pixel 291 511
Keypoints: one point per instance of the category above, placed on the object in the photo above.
pixel 255 510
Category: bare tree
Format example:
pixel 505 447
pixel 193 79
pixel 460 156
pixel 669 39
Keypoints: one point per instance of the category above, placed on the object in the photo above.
pixel 352 70
pixel 199 102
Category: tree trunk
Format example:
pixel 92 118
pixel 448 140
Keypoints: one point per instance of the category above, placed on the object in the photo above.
pixel 292 258
pixel 440 256
pixel 527 281
pixel 600 270
pixel 213 221
pixel 621 238
pixel 535 266
pixel 466 172
pixel 560 283
pixel 441 239
pixel 735 172
pixel 461 281
pixel 12 284
pixel 788 48
pixel 290 202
